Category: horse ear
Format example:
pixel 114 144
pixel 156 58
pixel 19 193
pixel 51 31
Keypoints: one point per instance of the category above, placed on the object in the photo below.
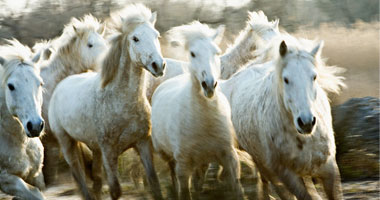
pixel 75 29
pixel 47 53
pixel 283 48
pixel 317 50
pixel 275 24
pixel 174 44
pixel 153 18
pixel 37 57
pixel 2 61
pixel 102 29
pixel 218 36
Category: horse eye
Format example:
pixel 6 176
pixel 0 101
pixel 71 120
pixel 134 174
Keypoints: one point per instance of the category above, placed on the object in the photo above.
pixel 135 39
pixel 315 77
pixel 286 80
pixel 192 54
pixel 90 45
pixel 11 87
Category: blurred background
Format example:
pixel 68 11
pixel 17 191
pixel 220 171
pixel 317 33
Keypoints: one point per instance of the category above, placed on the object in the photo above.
pixel 350 29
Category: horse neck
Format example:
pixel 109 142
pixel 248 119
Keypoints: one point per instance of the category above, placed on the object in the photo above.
pixel 60 67
pixel 11 127
pixel 130 78
pixel 238 54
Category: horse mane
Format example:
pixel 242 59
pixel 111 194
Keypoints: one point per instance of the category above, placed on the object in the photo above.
pixel 328 77
pixel 187 33
pixel 14 53
pixel 77 29
pixel 259 21
pixel 124 20
pixel 121 23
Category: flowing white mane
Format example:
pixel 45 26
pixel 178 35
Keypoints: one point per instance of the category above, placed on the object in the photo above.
pixel 14 53
pixel 88 22
pixel 259 21
pixel 122 20
pixel 187 33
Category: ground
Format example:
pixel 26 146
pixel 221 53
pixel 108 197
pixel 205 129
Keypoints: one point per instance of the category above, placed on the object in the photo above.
pixel 367 189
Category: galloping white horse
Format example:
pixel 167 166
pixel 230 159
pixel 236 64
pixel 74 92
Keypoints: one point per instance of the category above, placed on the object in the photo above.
pixel 281 114
pixel 109 111
pixel 257 31
pixel 21 151
pixel 76 51
pixel 191 124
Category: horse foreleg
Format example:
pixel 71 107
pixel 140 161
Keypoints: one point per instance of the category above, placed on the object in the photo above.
pixel 51 158
pixel 231 166
pixel 110 158
pixel 294 183
pixel 144 148
pixel 311 188
pixel 330 177
pixel 37 181
pixel 73 157
pixel 183 178
pixel 199 177
pixel 15 186
pixel 97 173
pixel 171 164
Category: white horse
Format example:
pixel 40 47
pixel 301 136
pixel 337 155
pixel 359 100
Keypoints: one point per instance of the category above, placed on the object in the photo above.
pixel 109 111
pixel 21 151
pixel 282 117
pixel 76 51
pixel 257 32
pixel 191 124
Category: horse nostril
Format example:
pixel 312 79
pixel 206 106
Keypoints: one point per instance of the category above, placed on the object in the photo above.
pixel 216 83
pixel 42 125
pixel 314 120
pixel 299 121
pixel 154 66
pixel 204 85
pixel 29 126
pixel 164 65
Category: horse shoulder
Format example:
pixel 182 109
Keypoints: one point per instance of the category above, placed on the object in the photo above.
pixel 73 103
pixel 167 113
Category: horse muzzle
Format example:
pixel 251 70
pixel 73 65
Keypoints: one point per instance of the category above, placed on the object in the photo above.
pixel 209 88
pixel 34 128
pixel 306 125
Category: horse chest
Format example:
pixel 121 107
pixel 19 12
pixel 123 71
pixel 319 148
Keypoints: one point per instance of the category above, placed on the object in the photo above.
pixel 21 160
pixel 303 155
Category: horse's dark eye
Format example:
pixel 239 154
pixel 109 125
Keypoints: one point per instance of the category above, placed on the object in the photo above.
pixel 315 77
pixel 286 80
pixel 135 39
pixel 11 87
pixel 192 54
pixel 89 45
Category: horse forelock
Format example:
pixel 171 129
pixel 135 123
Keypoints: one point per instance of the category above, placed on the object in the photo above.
pixel 185 34
pixel 14 54
pixel 125 20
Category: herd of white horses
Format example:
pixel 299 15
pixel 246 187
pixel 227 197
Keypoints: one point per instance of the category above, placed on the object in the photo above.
pixel 102 88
